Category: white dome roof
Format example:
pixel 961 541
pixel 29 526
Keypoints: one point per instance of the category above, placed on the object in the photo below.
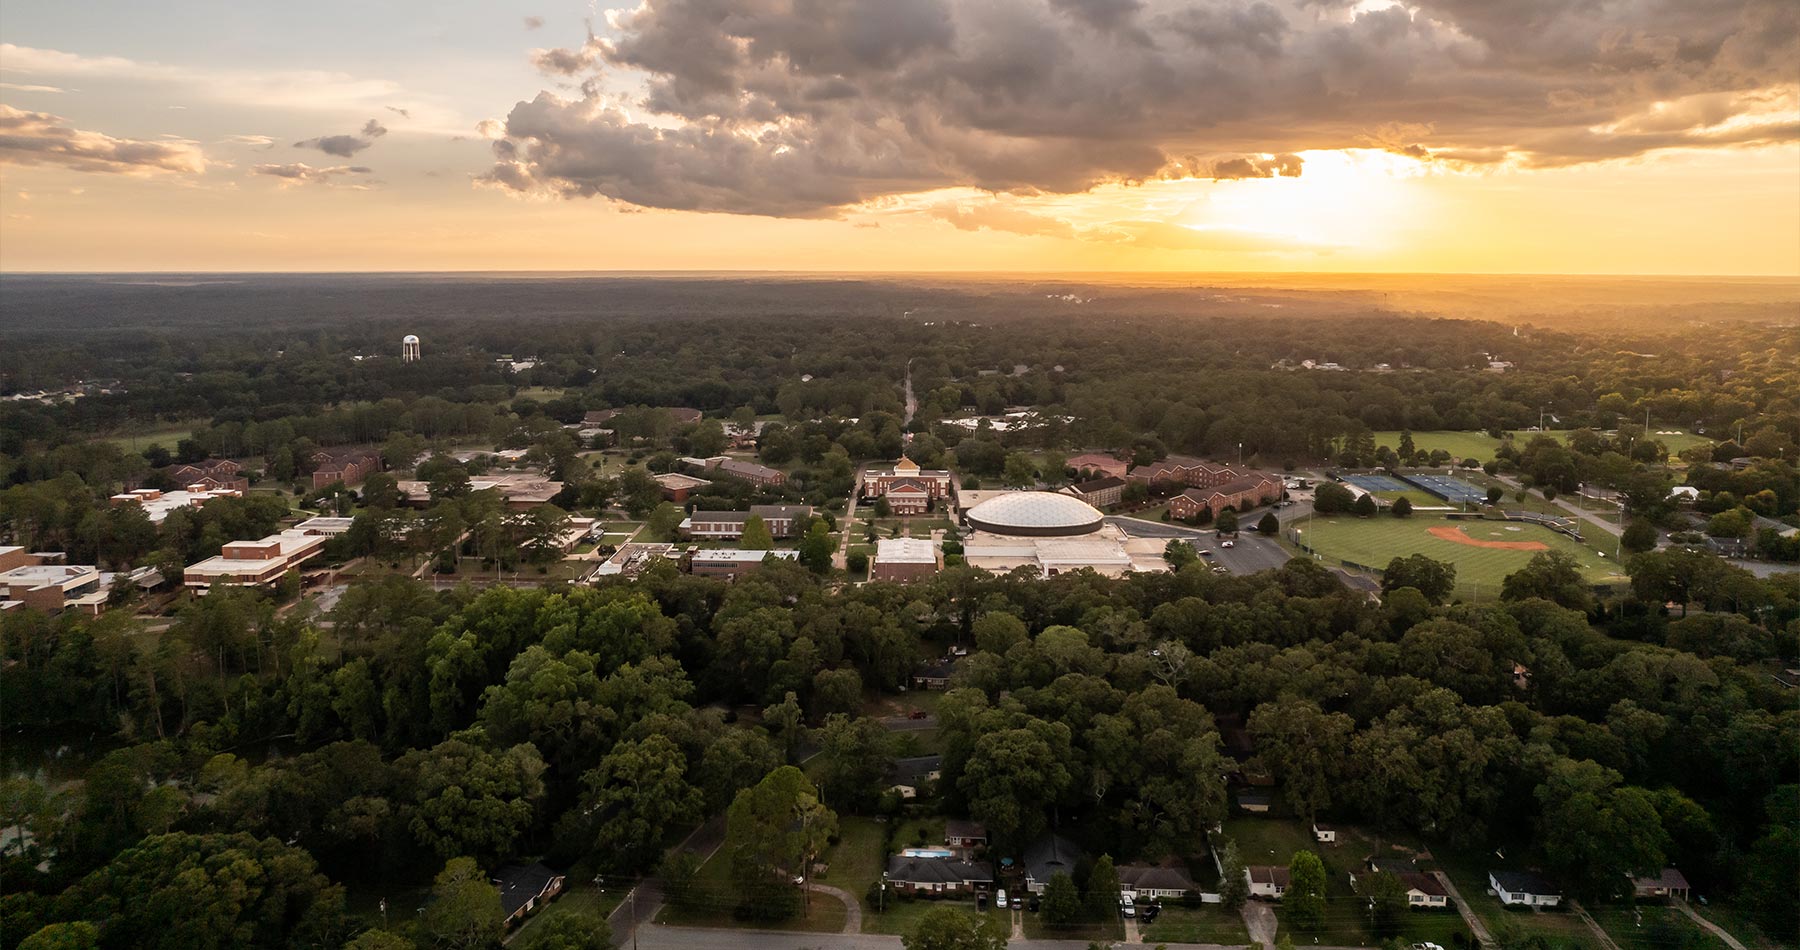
pixel 409 338
pixel 1037 513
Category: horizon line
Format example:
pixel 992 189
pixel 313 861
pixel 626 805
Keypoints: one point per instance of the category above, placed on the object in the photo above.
pixel 1034 274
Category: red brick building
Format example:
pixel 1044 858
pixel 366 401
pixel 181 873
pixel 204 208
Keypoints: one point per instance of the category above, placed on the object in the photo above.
pixel 209 474
pixel 1100 492
pixel 1097 465
pixel 349 467
pixel 907 477
pixel 752 472
pixel 1240 494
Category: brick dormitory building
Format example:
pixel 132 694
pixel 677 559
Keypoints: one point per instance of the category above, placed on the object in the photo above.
pixel 1199 484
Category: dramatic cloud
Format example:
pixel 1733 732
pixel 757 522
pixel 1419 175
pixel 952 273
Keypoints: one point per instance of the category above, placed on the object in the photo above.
pixel 39 138
pixel 799 108
pixel 344 146
pixel 300 173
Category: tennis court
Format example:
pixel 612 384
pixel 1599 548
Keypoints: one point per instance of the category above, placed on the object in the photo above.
pixel 1453 490
pixel 1376 482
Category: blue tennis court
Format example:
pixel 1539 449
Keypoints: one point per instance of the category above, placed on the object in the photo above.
pixel 1376 482
pixel 1453 490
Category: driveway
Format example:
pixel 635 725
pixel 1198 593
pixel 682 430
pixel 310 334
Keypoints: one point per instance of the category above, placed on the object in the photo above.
pixel 1259 919
pixel 1476 926
pixel 1716 930
pixel 852 906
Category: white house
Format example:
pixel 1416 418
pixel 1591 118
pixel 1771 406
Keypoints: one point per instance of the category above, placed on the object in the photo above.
pixel 1424 891
pixel 1523 889
pixel 1324 834
pixel 1269 881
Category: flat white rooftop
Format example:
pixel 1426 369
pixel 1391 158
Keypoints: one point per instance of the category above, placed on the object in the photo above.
pixel 736 556
pixel 905 551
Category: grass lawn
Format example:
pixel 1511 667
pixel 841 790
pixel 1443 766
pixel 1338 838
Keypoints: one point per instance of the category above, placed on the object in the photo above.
pixel 1480 445
pixel 717 898
pixel 909 527
pixel 1210 923
pixel 1479 571
pixel 1036 928
pixel 137 441
pixel 1653 927
pixel 856 861
pixel 902 916
pixel 583 900
pixel 1267 840
pixel 907 833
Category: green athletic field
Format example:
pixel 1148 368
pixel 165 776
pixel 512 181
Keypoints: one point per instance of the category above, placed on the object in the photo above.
pixel 1480 445
pixel 1377 540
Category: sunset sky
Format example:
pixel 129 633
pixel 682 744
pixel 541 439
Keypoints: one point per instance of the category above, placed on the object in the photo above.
pixel 1547 136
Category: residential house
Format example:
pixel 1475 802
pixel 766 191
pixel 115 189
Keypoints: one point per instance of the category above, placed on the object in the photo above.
pixel 1097 465
pixel 1267 881
pixel 251 563
pixel 912 776
pixel 1047 856
pixel 1424 891
pixel 1324 834
pixel 964 837
pixel 1103 492
pixel 732 563
pixel 1168 880
pixel 934 675
pixel 1239 494
pixel 1670 883
pixel 524 887
pixel 783 521
pixel 1523 889
pixel 676 486
pixel 904 559
pixel 1254 801
pixel 878 483
pixel 349 467
pixel 933 875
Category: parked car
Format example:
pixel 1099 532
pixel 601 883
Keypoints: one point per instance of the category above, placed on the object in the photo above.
pixel 1031 904
pixel 1127 906
pixel 1150 912
pixel 918 714
pixel 1206 552
pixel 1228 544
pixel 1000 899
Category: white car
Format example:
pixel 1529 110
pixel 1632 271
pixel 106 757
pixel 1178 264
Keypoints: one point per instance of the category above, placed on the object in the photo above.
pixel 1228 544
pixel 1127 905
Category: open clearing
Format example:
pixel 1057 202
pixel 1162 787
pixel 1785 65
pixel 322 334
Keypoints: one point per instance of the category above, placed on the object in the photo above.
pixel 1480 568
pixel 1480 445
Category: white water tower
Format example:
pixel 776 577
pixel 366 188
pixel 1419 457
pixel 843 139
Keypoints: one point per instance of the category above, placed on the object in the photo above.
pixel 409 348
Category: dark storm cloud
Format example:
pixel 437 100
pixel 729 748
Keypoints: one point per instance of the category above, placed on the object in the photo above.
pixel 39 138
pixel 344 146
pixel 799 107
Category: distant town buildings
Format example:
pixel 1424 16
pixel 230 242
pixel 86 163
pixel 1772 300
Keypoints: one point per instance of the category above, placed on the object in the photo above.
pixel 157 503
pixel 520 490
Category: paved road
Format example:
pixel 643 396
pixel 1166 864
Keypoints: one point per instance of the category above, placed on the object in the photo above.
pixel 642 903
pixel 661 937
pixel 1717 931
pixel 1476 926
pixel 1250 554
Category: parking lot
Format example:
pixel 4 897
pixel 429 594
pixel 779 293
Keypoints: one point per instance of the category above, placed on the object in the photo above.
pixel 1251 552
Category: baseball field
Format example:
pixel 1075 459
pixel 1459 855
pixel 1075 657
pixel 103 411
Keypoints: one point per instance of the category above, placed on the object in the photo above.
pixel 1484 552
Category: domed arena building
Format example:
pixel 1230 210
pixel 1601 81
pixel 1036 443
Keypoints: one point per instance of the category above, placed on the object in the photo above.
pixel 1054 533
pixel 1035 514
